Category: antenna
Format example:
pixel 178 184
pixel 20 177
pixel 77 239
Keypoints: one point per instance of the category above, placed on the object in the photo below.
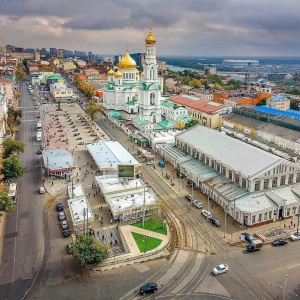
pixel 150 23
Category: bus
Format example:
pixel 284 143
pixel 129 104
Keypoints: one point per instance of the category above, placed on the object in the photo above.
pixel 39 136
pixel 12 192
pixel 39 126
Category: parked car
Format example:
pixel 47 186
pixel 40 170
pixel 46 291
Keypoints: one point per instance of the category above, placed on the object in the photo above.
pixel 162 163
pixel 295 236
pixel 206 214
pixel 66 232
pixel 220 269
pixel 59 207
pixel 70 248
pixel 64 224
pixel 215 221
pixel 248 237
pixel 150 287
pixel 42 190
pixel 40 151
pixel 61 216
pixel 197 204
pixel 151 162
pixel 279 242
pixel 189 197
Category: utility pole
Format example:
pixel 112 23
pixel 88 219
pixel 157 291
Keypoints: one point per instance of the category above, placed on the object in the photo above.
pixel 207 206
pixel 144 207
pixel 284 287
pixel 225 219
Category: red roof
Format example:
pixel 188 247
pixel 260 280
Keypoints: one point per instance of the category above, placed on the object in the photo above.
pixel 200 105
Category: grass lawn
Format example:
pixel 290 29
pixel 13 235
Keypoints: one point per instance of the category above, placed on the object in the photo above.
pixel 151 243
pixel 152 226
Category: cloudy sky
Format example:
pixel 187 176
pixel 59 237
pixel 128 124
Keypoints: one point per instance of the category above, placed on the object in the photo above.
pixel 181 27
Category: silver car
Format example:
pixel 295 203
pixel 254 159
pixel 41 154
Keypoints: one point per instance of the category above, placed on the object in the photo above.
pixel 197 204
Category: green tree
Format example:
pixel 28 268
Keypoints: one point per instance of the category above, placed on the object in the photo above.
pixel 11 168
pixel 11 146
pixel 6 203
pixel 88 251
pixel 13 119
pixel 92 110
pixel 191 123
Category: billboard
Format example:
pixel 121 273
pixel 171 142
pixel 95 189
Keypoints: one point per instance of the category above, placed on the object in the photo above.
pixel 126 171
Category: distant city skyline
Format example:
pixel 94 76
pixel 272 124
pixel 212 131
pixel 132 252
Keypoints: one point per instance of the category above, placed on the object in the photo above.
pixel 189 28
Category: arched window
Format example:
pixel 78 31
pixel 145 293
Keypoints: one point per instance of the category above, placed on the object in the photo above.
pixel 152 99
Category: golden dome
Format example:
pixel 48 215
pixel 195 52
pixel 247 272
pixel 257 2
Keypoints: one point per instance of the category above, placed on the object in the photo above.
pixel 111 72
pixel 150 39
pixel 127 62
pixel 118 74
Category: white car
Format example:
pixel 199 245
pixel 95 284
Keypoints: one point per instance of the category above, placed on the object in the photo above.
pixel 295 236
pixel 42 190
pixel 206 214
pixel 151 162
pixel 220 269
pixel 197 204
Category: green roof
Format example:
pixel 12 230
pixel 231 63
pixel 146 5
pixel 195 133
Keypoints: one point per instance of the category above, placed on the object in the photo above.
pixel 166 124
pixel 114 113
pixel 170 104
pixel 185 118
pixel 141 121
pixel 52 77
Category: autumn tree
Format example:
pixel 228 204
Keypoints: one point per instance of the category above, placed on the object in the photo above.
pixel 13 119
pixel 93 110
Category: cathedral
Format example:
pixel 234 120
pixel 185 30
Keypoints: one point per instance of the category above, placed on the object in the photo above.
pixel 128 90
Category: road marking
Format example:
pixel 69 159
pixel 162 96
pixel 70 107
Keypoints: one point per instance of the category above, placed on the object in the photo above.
pixel 294 266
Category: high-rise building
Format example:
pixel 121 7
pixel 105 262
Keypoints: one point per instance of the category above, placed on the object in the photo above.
pixel 53 51
pixel 60 53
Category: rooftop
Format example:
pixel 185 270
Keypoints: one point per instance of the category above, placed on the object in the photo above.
pixel 80 210
pixel 240 156
pixel 58 159
pixel 110 154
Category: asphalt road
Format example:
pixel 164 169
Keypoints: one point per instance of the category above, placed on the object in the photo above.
pixel 24 233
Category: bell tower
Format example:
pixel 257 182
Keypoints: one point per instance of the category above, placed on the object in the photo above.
pixel 150 109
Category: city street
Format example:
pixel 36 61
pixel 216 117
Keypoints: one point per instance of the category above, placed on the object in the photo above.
pixel 35 252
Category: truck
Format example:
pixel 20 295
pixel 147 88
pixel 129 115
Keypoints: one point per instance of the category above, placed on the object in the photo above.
pixel 255 245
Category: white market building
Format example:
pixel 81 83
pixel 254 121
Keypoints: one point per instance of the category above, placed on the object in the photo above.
pixel 108 155
pixel 126 199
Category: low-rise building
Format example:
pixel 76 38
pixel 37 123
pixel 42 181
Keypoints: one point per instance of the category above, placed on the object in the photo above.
pixel 60 91
pixel 279 102
pixel 207 113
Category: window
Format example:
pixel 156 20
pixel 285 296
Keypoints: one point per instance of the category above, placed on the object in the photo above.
pixel 230 174
pixel 253 219
pixel 152 99
pixel 266 184
pixel 270 215
pixel 223 171
pixel 298 177
pixel 274 182
pixel 288 212
pixel 259 218
pixel 282 180
pixel 294 210
pixel 237 179
pixel 257 186
pixel 290 180
pixel 218 167
pixel 265 216
pixel 243 182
